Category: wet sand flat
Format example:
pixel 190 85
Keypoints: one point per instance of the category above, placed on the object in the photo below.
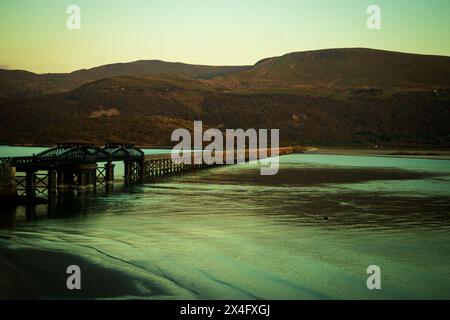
pixel 41 274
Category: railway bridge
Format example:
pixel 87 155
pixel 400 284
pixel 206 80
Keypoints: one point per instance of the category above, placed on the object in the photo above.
pixel 82 166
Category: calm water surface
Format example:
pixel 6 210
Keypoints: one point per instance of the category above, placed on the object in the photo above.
pixel 228 233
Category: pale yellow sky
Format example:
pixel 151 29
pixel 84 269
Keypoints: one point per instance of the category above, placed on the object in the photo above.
pixel 216 32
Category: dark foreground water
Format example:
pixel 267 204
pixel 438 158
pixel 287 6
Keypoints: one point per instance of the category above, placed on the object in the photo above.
pixel 228 233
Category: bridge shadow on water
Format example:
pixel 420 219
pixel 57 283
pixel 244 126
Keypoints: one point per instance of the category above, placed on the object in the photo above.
pixel 70 204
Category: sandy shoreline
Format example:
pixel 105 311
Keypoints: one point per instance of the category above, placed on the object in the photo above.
pixel 28 273
pixel 439 154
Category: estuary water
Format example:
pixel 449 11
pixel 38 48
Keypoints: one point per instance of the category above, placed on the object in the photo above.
pixel 310 232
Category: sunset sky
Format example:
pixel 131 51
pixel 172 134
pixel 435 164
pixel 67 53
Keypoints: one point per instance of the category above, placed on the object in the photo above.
pixel 34 35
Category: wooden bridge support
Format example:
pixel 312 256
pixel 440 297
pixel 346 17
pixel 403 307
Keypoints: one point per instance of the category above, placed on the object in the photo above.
pixel 153 168
pixel 127 172
pixel 134 172
pixel 34 183
pixel 162 167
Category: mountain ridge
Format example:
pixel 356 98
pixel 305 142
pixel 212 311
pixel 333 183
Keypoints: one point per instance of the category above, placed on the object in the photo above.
pixel 344 100
pixel 337 69
pixel 348 67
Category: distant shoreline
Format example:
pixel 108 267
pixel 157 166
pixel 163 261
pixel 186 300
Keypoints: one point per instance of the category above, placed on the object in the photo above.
pixel 417 153
pixel 400 152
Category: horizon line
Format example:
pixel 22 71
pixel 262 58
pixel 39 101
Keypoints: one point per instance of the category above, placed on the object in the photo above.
pixel 219 65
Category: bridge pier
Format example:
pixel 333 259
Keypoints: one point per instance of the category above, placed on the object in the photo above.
pixel 81 177
pixel 8 189
pixel 30 184
pixel 87 177
pixel 109 173
pixel 92 178
pixel 60 180
pixel 52 182
pixel 127 172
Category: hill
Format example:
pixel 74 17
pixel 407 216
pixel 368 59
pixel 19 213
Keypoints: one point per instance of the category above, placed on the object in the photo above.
pixel 336 97
pixel 18 83
pixel 146 68
pixel 146 111
pixel 342 69
pixel 313 72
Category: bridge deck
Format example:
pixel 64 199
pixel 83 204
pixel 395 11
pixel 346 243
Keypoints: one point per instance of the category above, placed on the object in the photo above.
pixel 247 153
